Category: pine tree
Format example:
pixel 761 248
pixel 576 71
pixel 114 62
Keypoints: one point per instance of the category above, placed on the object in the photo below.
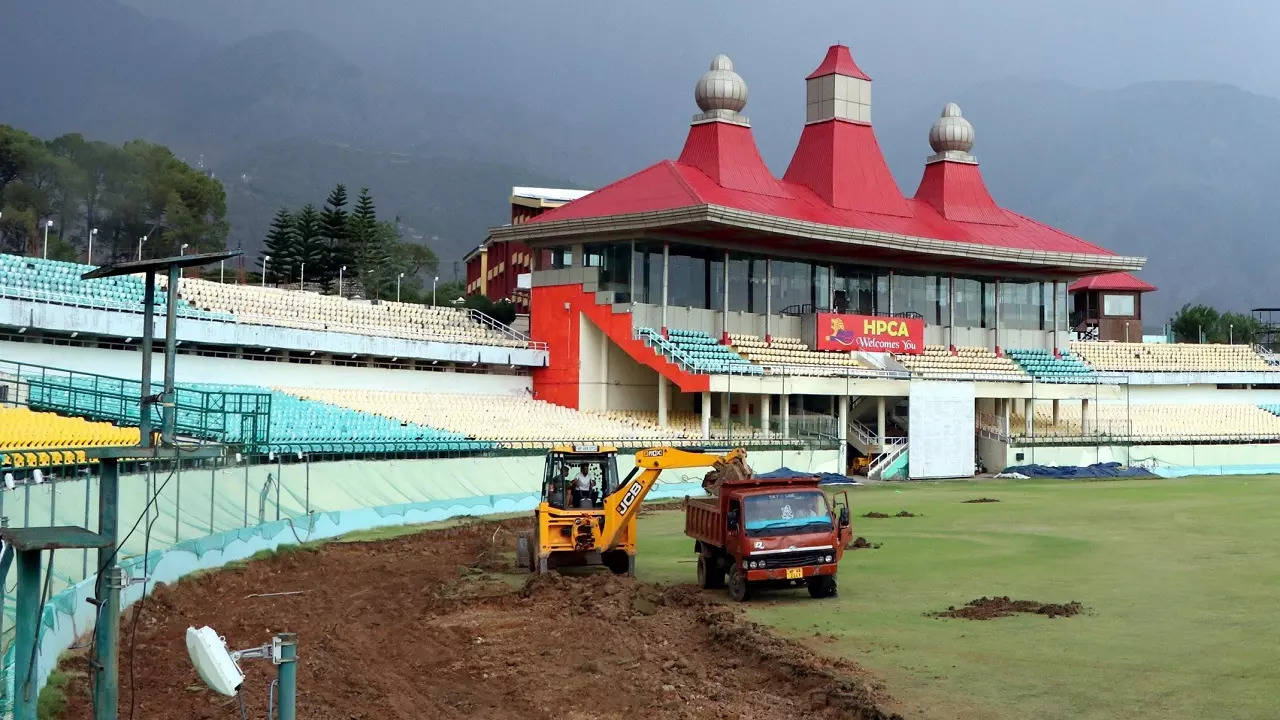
pixel 280 244
pixel 333 222
pixel 361 227
pixel 311 252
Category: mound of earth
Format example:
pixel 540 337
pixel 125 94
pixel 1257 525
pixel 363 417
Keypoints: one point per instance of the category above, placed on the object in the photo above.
pixel 879 515
pixel 982 500
pixel 905 513
pixel 439 625
pixel 861 543
pixel 987 608
pixel 874 514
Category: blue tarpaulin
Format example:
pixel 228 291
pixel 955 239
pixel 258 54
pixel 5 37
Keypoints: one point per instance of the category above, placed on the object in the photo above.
pixel 786 473
pixel 1111 469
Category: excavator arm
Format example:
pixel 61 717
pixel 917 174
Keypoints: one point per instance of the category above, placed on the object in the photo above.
pixel 622 506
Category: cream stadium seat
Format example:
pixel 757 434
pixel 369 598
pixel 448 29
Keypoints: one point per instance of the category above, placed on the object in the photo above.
pixel 1171 357
pixel 938 361
pixel 278 307
pixel 1206 422
pixel 500 418
pixel 795 354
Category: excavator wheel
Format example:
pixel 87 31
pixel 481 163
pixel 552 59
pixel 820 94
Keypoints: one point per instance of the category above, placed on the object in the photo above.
pixel 739 590
pixel 619 562
pixel 710 576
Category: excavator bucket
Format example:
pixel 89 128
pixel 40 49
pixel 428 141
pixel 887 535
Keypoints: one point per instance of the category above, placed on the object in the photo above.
pixel 734 470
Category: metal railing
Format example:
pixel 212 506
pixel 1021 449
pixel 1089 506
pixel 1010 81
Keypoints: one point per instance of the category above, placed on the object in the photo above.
pixel 231 416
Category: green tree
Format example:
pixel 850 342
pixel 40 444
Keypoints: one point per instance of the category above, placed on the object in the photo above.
pixel 280 244
pixel 333 220
pixel 1193 322
pixel 1237 328
pixel 375 259
pixel 311 250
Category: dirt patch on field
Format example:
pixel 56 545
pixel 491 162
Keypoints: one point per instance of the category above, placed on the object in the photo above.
pixel 900 514
pixel 987 608
pixel 437 625
pixel 982 500
pixel 861 543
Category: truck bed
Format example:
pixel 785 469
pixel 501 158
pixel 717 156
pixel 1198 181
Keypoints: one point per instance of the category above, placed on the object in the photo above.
pixel 702 520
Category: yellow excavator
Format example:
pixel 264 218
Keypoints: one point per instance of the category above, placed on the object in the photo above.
pixel 587 515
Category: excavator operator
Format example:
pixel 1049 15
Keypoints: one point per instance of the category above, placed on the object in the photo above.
pixel 584 487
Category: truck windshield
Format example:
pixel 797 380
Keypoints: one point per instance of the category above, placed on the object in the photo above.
pixel 786 513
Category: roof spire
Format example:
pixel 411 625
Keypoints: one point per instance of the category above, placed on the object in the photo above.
pixel 951 137
pixel 721 94
pixel 838 89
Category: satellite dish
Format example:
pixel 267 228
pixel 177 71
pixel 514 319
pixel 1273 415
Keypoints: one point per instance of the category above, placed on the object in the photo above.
pixel 37 476
pixel 8 481
pixel 213 662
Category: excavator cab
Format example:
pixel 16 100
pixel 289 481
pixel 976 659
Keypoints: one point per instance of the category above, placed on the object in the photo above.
pixel 566 464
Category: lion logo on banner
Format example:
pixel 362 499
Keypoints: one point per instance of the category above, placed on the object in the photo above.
pixel 840 334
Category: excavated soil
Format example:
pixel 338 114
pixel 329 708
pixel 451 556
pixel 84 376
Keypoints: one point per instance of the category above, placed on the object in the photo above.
pixel 861 543
pixel 874 514
pixel 988 608
pixel 900 514
pixel 437 625
pixel 982 500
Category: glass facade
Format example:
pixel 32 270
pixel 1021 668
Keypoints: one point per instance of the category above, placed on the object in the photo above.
pixel 632 271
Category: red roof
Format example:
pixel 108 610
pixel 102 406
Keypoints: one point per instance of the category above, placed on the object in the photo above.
pixel 837 177
pixel 839 61
pixel 1116 281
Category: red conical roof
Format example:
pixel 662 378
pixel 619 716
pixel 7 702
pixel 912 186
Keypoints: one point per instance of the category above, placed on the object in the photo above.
pixel 727 153
pixel 956 190
pixel 838 61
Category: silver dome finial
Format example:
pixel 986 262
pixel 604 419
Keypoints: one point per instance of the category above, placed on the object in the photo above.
pixel 721 93
pixel 951 136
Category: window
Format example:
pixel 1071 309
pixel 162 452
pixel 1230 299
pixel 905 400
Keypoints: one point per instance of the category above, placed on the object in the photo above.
pixel 917 294
pixel 1021 305
pixel 792 284
pixel 614 261
pixel 1117 305
pixel 561 258
pixel 859 288
pixel 746 283
pixel 968 302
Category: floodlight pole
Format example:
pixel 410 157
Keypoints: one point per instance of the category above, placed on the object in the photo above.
pixel 148 338
pixel 287 672
pixel 168 401
pixel 105 668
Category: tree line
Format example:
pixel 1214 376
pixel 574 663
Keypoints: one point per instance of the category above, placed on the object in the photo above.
pixel 331 243
pixel 1204 324
pixel 69 185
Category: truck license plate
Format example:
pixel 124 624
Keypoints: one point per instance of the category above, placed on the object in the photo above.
pixel 795 573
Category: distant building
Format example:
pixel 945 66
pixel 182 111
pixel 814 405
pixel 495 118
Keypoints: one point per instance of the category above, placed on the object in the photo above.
pixel 1108 307
pixel 497 267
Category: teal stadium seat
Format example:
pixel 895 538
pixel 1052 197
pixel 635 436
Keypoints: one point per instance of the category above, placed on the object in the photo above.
pixel 1044 367
pixel 703 352
pixel 56 281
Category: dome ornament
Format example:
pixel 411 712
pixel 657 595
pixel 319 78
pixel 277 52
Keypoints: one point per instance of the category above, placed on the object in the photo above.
pixel 721 94
pixel 951 136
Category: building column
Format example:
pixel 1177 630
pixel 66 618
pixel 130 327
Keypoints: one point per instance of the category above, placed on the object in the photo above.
pixel 725 404
pixel 724 312
pixel 997 319
pixel 484 271
pixel 879 419
pixel 744 413
pixel 666 257
pixel 1028 411
pixel 768 299
pixel 1084 416
pixel 951 312
pixel 1057 411
pixel 1054 323
pixel 889 288
pixel 1005 404
pixel 842 434
pixel 604 371
pixel 633 274
pixel 706 415
pixel 662 400
pixel 831 288
pixel 765 401
pixel 785 407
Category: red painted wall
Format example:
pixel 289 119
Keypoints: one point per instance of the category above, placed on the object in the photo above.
pixel 551 323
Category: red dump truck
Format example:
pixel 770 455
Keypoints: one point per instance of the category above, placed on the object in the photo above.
pixel 774 530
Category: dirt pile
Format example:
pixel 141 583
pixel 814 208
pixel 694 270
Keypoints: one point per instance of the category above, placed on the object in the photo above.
pixel 988 608
pixel 982 500
pixel 861 543
pixel 433 625
pixel 906 513
pixel 874 514
pixel 900 514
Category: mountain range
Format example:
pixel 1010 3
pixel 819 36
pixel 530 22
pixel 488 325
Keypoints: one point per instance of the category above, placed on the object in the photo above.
pixel 1177 171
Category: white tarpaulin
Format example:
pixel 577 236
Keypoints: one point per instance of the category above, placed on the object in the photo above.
pixel 942 429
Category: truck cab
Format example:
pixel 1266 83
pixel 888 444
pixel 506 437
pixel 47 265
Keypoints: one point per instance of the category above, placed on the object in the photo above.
pixel 769 531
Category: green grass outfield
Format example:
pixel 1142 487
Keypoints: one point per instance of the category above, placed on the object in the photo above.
pixel 1181 579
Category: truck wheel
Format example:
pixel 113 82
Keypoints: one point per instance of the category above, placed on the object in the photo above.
pixel 524 552
pixel 822 586
pixel 739 589
pixel 710 575
pixel 619 562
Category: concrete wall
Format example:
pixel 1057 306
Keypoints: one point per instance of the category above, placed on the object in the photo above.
pixel 1164 455
pixel 197 368
pixel 113 323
